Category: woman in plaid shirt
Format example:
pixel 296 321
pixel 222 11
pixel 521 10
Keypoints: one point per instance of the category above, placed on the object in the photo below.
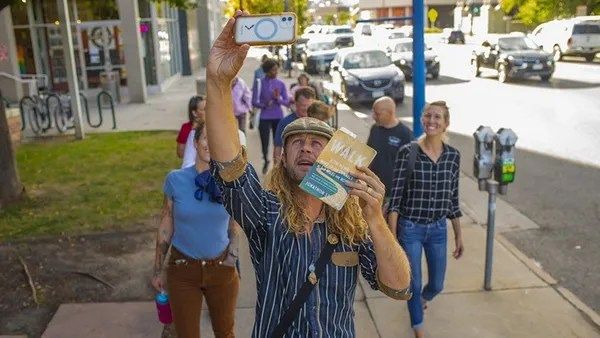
pixel 418 215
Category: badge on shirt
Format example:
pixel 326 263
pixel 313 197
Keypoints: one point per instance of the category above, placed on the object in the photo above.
pixel 347 259
pixel 394 141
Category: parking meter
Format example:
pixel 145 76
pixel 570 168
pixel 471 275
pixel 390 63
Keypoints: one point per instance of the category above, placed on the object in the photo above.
pixel 504 166
pixel 483 161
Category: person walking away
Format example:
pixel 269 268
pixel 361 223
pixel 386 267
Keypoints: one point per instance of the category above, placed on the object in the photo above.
pixel 271 99
pixel 204 248
pixel 387 135
pixel 421 202
pixel 242 101
pixel 258 75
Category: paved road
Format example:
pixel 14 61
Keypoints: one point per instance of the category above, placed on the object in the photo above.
pixel 558 179
pixel 561 118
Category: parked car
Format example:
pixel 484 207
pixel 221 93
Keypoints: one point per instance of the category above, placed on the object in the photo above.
pixel 318 54
pixel 344 36
pixel 364 74
pixel 453 36
pixel 402 57
pixel 577 37
pixel 391 38
pixel 300 47
pixel 512 56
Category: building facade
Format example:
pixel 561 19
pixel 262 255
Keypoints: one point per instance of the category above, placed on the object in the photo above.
pixel 373 9
pixel 173 42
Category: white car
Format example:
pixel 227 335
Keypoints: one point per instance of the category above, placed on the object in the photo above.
pixel 344 35
pixel 578 37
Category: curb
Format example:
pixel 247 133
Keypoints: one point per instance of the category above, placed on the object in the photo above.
pixel 588 312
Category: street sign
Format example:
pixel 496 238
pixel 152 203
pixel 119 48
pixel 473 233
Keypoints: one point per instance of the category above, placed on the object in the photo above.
pixel 432 15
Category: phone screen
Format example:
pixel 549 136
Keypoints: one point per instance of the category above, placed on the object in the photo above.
pixel 269 29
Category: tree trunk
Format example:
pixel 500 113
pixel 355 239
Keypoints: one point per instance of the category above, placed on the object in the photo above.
pixel 10 185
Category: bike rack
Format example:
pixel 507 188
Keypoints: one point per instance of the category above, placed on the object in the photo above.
pixel 45 119
pixel 111 106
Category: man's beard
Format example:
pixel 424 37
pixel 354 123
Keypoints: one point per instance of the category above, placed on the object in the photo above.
pixel 293 176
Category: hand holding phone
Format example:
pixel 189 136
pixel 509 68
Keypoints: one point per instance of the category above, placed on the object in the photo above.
pixel 266 29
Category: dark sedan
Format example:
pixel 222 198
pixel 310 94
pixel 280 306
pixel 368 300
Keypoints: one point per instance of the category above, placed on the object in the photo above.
pixel 364 75
pixel 513 56
pixel 318 55
pixel 402 57
pixel 456 37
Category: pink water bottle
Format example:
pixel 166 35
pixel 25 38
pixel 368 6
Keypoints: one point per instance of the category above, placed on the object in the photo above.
pixel 163 308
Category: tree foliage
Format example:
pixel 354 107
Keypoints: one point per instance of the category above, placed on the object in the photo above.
pixel 340 18
pixel 181 4
pixel 270 6
pixel 534 12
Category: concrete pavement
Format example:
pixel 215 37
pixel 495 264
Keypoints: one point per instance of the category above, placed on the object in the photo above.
pixel 524 302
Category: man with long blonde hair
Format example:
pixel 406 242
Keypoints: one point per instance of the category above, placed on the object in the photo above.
pixel 305 254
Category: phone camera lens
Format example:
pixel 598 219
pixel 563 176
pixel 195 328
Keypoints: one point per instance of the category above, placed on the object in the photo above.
pixel 283 19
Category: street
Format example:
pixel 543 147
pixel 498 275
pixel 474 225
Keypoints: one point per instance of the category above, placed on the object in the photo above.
pixel 558 158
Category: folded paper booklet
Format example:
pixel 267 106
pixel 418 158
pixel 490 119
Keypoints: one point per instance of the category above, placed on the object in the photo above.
pixel 327 178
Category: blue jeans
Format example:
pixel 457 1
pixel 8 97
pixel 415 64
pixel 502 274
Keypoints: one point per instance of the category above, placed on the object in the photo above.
pixel 432 238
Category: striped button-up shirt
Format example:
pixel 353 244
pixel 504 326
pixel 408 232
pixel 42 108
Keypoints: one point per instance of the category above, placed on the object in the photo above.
pixel 282 261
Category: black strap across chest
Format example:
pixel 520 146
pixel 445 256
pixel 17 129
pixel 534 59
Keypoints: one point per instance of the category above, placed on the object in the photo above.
pixel 294 308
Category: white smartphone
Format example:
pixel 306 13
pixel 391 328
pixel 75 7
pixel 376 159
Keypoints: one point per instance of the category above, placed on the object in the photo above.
pixel 266 29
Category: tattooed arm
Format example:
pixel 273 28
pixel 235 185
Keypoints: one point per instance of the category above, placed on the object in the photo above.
pixel 163 241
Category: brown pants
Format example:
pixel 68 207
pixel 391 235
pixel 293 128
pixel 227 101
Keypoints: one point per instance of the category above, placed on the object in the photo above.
pixel 189 281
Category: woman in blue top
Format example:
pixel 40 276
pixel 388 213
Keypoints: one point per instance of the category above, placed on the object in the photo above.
pixel 202 262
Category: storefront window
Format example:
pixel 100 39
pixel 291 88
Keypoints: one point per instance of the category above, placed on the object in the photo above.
pixel 97 41
pixel 19 13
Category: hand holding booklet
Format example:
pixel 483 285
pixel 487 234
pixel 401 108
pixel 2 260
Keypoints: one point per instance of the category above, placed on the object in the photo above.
pixel 327 178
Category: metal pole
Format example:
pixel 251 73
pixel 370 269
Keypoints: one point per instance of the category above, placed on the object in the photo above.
pixel 418 65
pixel 67 39
pixel 286 8
pixel 492 188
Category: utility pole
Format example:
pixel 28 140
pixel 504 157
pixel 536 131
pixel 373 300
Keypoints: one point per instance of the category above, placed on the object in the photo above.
pixel 67 39
pixel 286 8
pixel 419 75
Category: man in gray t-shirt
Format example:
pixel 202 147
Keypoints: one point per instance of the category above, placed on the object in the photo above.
pixel 387 135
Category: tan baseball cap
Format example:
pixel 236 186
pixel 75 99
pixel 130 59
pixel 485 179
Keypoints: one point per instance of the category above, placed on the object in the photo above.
pixel 308 125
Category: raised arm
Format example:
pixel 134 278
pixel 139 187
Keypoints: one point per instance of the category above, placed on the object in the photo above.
pixel 224 62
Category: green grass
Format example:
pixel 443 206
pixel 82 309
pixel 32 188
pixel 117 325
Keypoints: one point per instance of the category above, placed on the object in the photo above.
pixel 107 181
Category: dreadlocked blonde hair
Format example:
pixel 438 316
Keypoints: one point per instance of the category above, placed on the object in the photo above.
pixel 348 223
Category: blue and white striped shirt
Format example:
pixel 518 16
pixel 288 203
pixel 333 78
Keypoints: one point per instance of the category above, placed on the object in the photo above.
pixel 281 261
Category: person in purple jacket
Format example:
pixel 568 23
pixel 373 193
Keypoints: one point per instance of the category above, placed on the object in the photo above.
pixel 242 101
pixel 270 96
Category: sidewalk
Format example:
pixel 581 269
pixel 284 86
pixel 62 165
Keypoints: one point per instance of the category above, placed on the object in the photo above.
pixel 525 301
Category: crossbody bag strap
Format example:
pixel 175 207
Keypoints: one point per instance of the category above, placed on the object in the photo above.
pixel 294 308
pixel 412 158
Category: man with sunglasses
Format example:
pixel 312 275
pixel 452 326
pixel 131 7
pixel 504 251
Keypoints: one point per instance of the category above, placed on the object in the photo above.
pixel 306 255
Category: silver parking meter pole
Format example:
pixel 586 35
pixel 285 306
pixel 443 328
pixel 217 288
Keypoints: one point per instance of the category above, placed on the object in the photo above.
pixel 483 165
pixel 503 168
pixel 492 188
